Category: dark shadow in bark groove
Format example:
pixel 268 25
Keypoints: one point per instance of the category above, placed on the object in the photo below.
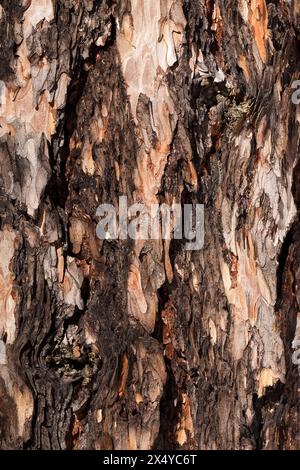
pixel 168 412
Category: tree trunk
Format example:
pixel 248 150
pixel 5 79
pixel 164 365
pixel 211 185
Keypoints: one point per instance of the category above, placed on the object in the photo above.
pixel 132 344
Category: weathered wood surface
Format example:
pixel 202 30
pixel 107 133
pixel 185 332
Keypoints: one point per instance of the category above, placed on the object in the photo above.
pixel 132 345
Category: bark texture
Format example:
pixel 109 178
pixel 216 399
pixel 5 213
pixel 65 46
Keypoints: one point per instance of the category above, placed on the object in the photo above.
pixel 143 345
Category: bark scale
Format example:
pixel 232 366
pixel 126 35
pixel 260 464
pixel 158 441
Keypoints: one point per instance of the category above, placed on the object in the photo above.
pixel 143 345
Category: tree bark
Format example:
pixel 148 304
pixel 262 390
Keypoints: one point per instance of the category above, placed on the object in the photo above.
pixel 143 345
